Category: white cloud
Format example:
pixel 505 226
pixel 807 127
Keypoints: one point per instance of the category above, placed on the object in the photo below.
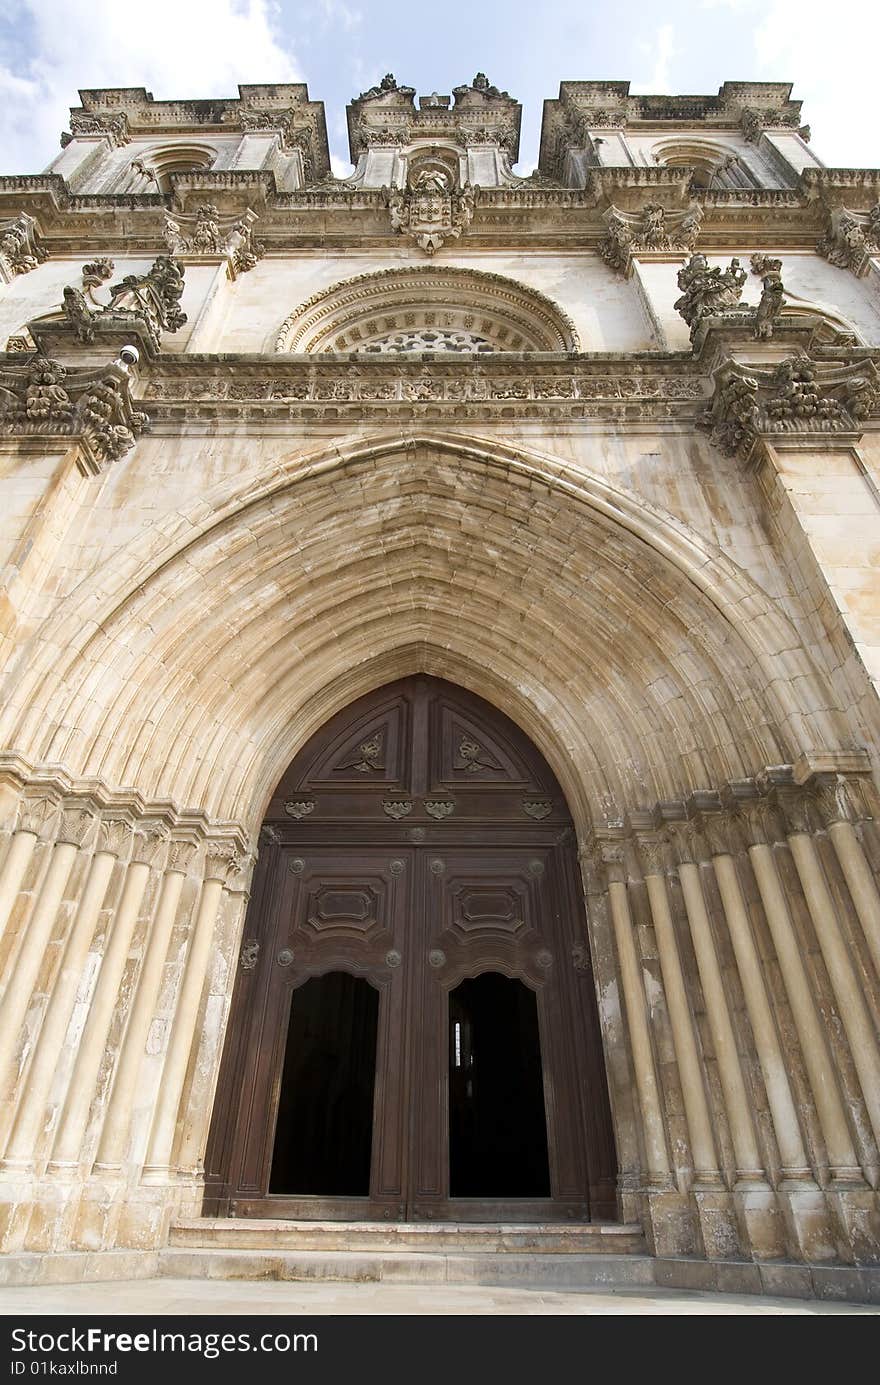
pixel 663 50
pixel 174 48
pixel 831 57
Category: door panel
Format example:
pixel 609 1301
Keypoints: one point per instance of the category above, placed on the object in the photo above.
pixel 419 840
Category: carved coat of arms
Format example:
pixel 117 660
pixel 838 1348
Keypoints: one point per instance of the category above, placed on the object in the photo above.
pixel 430 211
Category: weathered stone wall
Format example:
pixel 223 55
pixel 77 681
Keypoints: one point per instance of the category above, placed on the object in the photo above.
pixel 680 609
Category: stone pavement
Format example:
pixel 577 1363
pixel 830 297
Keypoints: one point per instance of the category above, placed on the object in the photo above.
pixel 192 1297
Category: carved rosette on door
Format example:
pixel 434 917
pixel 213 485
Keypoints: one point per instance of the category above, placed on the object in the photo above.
pixel 426 1049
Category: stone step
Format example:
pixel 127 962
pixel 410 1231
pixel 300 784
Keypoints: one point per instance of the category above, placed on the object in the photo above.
pixel 548 1270
pixel 448 1238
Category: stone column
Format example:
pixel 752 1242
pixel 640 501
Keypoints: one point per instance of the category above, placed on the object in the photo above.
pixel 711 1197
pixel 670 1219
pixel 834 806
pixel 801 1200
pixel 754 1198
pixel 149 840
pixel 18 853
pixel 113 840
pixel 848 995
pixel 38 817
pixel 111 1147
pixel 222 860
pixel 850 1196
pixel 72 828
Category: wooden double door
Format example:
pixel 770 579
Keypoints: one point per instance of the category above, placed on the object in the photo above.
pixel 413 1031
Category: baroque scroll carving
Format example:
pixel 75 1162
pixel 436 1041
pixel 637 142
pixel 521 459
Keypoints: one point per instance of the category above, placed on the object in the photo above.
pixel 851 239
pixel 653 228
pixel 44 397
pixel 796 396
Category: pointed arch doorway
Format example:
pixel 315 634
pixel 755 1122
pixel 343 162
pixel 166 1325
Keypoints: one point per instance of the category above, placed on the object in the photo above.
pixel 414 1031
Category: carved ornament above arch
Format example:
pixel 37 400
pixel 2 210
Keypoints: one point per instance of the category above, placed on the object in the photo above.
pixel 427 309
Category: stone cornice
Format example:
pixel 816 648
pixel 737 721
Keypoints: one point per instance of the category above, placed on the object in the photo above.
pixel 56 782
pixel 107 223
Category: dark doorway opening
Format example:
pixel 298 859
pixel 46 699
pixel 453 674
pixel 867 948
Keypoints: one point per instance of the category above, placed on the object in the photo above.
pixel 324 1131
pixel 497 1121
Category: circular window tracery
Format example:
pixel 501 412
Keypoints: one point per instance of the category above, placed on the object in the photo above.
pixel 428 309
pixel 428 339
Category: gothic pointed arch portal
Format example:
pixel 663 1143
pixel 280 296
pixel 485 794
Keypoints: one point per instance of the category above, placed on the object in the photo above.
pixel 414 1030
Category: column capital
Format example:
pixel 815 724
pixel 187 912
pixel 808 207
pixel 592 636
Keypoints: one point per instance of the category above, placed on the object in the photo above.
pixel 655 853
pixel 150 839
pixel 181 853
pixel 79 822
pixel 223 861
pixel 724 832
pixel 834 799
pixel 799 811
pixel 115 834
pixel 762 822
pixel 613 858
pixel 40 813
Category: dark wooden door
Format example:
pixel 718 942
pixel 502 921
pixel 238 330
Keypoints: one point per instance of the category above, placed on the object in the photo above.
pixel 417 841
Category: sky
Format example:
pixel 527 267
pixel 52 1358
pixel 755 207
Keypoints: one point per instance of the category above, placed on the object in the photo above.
pixel 201 48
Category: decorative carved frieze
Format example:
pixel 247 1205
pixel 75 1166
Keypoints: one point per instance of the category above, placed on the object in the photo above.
pixel 795 396
pixel 209 232
pixel 851 239
pixel 21 249
pixel 393 387
pixel 708 292
pixel 44 397
pixel 431 212
pixel 654 228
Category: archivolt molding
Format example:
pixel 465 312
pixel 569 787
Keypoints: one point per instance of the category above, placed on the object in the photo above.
pixel 349 315
pixel 642 664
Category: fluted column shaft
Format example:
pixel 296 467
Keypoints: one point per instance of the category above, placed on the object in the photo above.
pixel 770 1057
pixel 844 982
pixel 186 1013
pixel 18 854
pixel 111 1147
pixel 640 1037
pixel 31 1109
pixel 820 1070
pixel 736 1100
pixel 26 966
pixel 860 882
pixel 693 1091
pixel 84 1078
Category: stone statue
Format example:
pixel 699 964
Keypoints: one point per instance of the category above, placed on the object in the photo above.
pixel 707 292
pixel 772 298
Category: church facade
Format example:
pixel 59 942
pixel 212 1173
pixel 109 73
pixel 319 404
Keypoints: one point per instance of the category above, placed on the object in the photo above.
pixel 440 736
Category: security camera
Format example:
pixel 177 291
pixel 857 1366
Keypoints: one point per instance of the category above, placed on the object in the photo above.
pixel 129 355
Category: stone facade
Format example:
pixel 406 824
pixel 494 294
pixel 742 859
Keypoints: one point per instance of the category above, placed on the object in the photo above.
pixel 601 444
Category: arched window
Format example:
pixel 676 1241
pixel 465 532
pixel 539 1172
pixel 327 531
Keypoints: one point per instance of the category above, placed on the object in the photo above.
pixel 715 166
pixel 427 309
pixel 152 170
